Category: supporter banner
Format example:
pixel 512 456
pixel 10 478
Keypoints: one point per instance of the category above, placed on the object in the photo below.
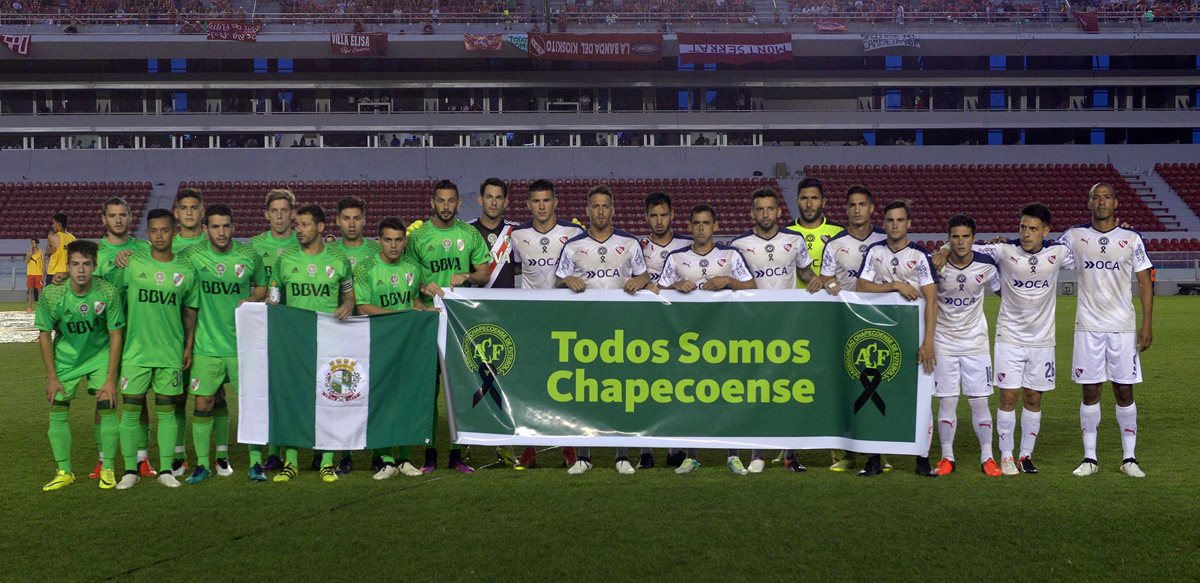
pixel 482 42
pixel 311 380
pixel 520 41
pixel 18 43
pixel 830 26
pixel 239 31
pixel 873 42
pixel 633 47
pixel 1089 22
pixel 765 369
pixel 359 43
pixel 696 48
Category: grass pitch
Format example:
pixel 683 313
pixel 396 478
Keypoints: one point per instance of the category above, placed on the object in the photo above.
pixel 542 524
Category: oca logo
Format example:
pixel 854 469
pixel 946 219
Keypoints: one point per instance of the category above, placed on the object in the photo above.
pixel 1035 284
pixel 1101 265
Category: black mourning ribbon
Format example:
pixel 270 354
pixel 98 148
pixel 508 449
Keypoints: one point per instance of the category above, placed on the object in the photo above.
pixel 488 386
pixel 870 379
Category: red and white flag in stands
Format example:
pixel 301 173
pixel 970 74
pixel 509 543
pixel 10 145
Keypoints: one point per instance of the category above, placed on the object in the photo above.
pixel 18 43
pixel 1089 22
pixel 481 42
pixel 830 26
pixel 239 31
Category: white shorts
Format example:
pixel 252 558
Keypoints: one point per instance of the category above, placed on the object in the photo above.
pixel 1106 356
pixel 1031 367
pixel 971 372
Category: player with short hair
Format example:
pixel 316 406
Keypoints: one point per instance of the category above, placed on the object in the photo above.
pixel 602 258
pixel 87 318
pixel 812 223
pixel 1106 346
pixel 706 265
pixel 316 277
pixel 899 265
pixel 452 253
pixel 56 249
pixel 536 246
pixel 229 273
pixel 383 284
pixel 112 256
pixel 777 258
pixel 189 215
pixel 158 343
pixel 841 262
pixel 35 273
pixel 961 344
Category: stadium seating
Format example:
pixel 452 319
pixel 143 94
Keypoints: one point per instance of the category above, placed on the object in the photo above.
pixel 1185 179
pixel 992 194
pixel 410 199
pixel 28 206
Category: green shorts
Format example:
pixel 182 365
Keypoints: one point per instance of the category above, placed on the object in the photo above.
pixel 210 372
pixel 93 380
pixel 164 380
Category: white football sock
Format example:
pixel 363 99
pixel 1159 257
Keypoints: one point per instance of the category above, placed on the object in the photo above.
pixel 947 424
pixel 1006 422
pixel 1031 425
pixel 1127 420
pixel 1089 423
pixel 981 418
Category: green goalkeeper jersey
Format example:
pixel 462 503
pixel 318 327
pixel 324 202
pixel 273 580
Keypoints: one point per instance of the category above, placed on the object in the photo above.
pixel 82 323
pixel 225 279
pixel 313 282
pixel 107 256
pixel 357 255
pixel 156 293
pixel 445 252
pixel 269 248
pixel 179 243
pixel 389 286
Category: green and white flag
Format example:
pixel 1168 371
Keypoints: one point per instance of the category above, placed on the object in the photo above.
pixel 310 380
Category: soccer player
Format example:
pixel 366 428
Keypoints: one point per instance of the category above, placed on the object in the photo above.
pixel 777 258
pixel 898 265
pixel 536 247
pixel 158 344
pixel 113 252
pixel 812 222
pixel 189 212
pixel 56 249
pixel 453 254
pixel 229 273
pixel 1024 352
pixel 316 277
pixel 35 273
pixel 87 318
pixel 602 258
pixel 385 283
pixel 707 266
pixel 841 262
pixel 961 344
pixel 1106 346
pixel 655 248
pixel 269 245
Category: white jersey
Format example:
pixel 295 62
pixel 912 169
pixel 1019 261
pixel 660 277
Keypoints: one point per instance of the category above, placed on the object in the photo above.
pixel 686 264
pixel 962 328
pixel 537 253
pixel 775 261
pixel 604 264
pixel 656 255
pixel 843 256
pixel 911 264
pixel 1028 284
pixel 1107 262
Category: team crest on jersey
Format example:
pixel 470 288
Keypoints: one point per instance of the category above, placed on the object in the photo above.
pixel 620 249
pixel 664 254
pixel 408 278
pixel 962 278
pixel 787 247
pixel 195 385
pixel 721 262
pixel 1122 243
pixel 239 270
pixel 543 242
pixel 353 261
pixel 862 248
pixel 979 279
pixel 703 263
pixel 342 380
pixel 330 271
pixel 602 251
pixel 809 237
pixel 1104 240
pixel 160 277
pixel 770 248
pixel 446 244
pixel 563 239
pixel 83 309
pixel 177 279
pixel 911 264
pixel 895 262
pixel 491 238
pixel 99 307
pixel 462 245
pixel 645 243
pixel 1033 261
pixel 220 270
pixel 312 269
pixel 824 238
pixel 1051 259
pixel 395 280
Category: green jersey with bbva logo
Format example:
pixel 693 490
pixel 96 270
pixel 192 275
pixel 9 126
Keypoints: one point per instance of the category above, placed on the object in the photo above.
pixel 445 252
pixel 269 248
pixel 313 282
pixel 389 286
pixel 156 292
pixel 357 255
pixel 106 257
pixel 82 323
pixel 225 279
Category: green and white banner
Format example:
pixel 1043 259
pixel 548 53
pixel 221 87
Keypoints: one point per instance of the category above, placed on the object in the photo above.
pixel 757 369
pixel 311 380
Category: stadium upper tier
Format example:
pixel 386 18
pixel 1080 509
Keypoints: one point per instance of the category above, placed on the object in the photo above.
pixel 1185 179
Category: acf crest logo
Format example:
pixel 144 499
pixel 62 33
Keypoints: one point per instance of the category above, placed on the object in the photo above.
pixel 489 346
pixel 342 381
pixel 872 348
